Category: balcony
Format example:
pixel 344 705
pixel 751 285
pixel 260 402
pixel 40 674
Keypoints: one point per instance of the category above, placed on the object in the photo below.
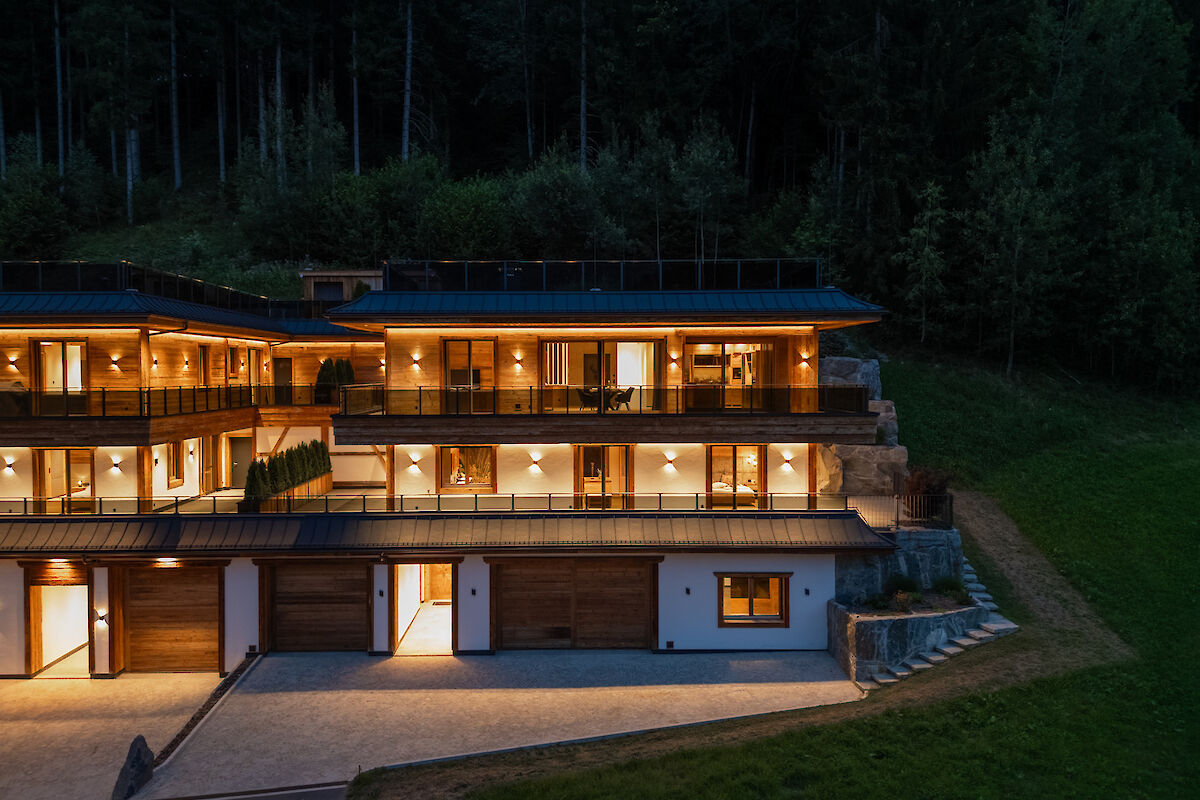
pixel 375 414
pixel 882 512
pixel 82 417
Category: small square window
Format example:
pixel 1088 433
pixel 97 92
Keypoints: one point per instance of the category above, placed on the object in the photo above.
pixel 467 469
pixel 752 600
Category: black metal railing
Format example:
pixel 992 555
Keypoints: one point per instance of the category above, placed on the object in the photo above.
pixel 580 276
pixel 882 512
pixel 365 399
pixel 157 401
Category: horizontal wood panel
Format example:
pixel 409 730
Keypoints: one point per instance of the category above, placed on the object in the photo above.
pixel 48 573
pixel 172 619
pixel 581 602
pixel 320 606
pixel 606 429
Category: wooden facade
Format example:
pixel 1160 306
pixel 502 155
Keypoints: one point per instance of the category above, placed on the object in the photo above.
pixel 315 605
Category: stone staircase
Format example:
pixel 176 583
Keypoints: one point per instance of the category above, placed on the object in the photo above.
pixel 995 627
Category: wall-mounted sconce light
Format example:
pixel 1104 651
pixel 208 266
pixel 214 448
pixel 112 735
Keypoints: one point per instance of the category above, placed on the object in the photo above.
pixel 115 359
pixel 116 463
pixel 804 358
pixel 414 458
pixel 670 457
pixel 243 363
pixel 787 462
pixel 155 362
pixel 12 361
pixel 166 562
pixel 192 451
pixel 101 618
pixel 382 364
pixel 535 462
pixel 156 461
pixel 517 358
pixel 8 463
pixel 416 359
pixel 185 362
pixel 674 359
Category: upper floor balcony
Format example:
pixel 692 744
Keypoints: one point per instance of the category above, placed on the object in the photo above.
pixel 378 414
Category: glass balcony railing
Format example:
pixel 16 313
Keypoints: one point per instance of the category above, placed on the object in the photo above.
pixel 157 401
pixel 368 399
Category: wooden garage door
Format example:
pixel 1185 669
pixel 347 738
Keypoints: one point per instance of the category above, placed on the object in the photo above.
pixel 573 602
pixel 172 619
pixel 320 606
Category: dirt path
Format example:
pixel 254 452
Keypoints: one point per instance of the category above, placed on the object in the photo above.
pixel 1061 633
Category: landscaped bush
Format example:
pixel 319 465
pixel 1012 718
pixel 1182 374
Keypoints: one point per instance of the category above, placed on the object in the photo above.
pixel 332 375
pixel 899 583
pixel 904 601
pixel 292 467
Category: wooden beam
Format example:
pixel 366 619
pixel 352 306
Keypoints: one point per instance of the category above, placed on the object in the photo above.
pixel 279 441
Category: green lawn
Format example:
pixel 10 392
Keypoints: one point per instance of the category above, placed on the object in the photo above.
pixel 1107 483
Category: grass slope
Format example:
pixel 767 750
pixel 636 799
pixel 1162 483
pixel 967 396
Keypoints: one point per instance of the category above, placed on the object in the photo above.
pixel 1107 484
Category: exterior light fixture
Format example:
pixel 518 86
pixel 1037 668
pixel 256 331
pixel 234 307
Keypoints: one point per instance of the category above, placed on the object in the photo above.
pixel 517 359
pixel 414 458
pixel 166 562
pixel 101 618
pixel 116 463
pixel 670 457
pixel 155 363
pixel 535 462
pixel 185 362
pixel 674 359
pixel 115 359
pixel 8 462
pixel 192 451
pixel 12 360
pixel 156 461
pixel 416 359
pixel 382 363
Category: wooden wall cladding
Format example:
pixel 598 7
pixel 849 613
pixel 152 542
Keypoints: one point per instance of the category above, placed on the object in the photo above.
pixel 319 605
pixel 50 573
pixel 307 356
pixel 172 619
pixel 604 429
pixel 573 602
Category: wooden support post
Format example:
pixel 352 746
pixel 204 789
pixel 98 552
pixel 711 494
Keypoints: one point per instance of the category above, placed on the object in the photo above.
pixel 144 479
pixel 389 467
pixel 812 475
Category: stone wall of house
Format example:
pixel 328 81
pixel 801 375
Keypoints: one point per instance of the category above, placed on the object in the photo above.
pixel 924 554
pixel 864 645
pixel 841 370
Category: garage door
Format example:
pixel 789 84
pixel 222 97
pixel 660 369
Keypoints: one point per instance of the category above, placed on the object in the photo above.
pixel 172 619
pixel 573 602
pixel 320 606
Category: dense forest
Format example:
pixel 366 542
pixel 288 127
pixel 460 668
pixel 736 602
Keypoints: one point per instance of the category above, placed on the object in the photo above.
pixel 1012 178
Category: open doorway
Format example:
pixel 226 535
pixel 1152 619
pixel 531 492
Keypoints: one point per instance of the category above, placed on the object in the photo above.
pixel 57 597
pixel 424 609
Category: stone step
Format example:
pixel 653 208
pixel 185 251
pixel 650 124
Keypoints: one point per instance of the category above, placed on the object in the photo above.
pixel 948 649
pixel 970 577
pixel 999 626
pixel 989 605
pixel 900 672
pixel 918 664
pixel 964 641
pixel 980 636
pixel 976 587
pixel 981 595
pixel 934 658
pixel 884 679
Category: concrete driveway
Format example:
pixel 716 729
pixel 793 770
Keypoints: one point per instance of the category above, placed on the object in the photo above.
pixel 67 739
pixel 301 719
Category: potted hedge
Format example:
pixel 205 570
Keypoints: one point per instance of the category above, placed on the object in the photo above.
pixel 274 477
pixel 258 488
pixel 331 376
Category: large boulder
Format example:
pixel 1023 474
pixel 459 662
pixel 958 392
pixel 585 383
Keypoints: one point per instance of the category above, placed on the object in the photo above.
pixel 840 370
pixel 829 471
pixel 887 428
pixel 869 469
pixel 137 771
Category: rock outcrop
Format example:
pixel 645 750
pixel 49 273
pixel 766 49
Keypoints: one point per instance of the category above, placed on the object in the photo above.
pixel 887 430
pixel 861 468
pixel 861 371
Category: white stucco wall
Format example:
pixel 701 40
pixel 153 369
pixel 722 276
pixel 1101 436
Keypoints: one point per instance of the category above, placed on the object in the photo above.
pixel 408 595
pixel 100 630
pixel 415 469
pixel 685 475
pixel 517 474
pixel 241 610
pixel 690 620
pixel 265 438
pixel 474 621
pixel 12 618
pixel 117 485
pixel 16 482
pixel 191 470
pixel 787 481
pixel 64 620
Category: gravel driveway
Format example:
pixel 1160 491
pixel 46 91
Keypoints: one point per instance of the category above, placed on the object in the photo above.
pixel 67 739
pixel 314 717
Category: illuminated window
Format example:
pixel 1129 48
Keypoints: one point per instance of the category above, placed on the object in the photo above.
pixel 467 469
pixel 174 464
pixel 752 599
pixel 736 475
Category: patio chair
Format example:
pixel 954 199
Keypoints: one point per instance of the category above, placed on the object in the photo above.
pixel 622 398
pixel 588 399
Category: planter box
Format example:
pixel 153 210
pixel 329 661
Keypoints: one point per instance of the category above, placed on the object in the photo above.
pixel 865 644
pixel 297 495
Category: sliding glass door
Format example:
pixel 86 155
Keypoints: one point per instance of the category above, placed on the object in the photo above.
pixel 62 371
pixel 601 377
pixel 727 376
pixel 470 375
pixel 601 476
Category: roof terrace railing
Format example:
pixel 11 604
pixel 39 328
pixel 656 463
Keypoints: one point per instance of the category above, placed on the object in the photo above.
pixel 610 276
pixel 157 401
pixel 377 399
pixel 878 511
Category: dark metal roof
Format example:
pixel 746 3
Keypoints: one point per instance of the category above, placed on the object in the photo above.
pixel 342 533
pixel 797 303
pixel 123 304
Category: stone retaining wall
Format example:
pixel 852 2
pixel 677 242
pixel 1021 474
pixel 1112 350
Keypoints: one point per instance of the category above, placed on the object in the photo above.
pixel 864 645
pixel 924 554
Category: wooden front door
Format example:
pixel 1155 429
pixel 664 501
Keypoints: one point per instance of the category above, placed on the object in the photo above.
pixel 172 619
pixel 573 603
pixel 319 606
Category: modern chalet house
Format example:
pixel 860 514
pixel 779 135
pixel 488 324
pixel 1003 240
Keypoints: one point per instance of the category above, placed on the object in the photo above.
pixel 528 455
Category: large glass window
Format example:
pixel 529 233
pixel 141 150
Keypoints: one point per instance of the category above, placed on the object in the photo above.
pixel 602 476
pixel 62 372
pixel 736 475
pixel 66 480
pixel 470 375
pixel 174 464
pixel 467 469
pixel 727 375
pixel 601 376
pixel 746 599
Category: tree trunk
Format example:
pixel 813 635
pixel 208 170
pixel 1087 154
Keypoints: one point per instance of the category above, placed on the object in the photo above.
pixel 112 146
pixel 310 110
pixel 221 113
pixel 176 160
pixel 67 99
pixel 262 113
pixel 136 135
pixel 128 175
pixel 523 11
pixel 280 155
pixel 583 134
pixel 354 88
pixel 408 45
pixel 58 91
pixel 237 86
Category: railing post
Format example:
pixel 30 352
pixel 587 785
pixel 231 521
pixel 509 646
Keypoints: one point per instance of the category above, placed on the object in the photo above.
pixel 896 499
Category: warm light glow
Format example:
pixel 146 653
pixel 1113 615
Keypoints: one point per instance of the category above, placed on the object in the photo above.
pixel 8 462
pixel 416 359
pixel 58 561
pixel 155 364
pixel 12 360
pixel 116 463
pixel 115 359
pixel 167 562
pixel 414 458
pixel 185 362
pixel 787 462
pixel 382 364
pixel 670 457
pixel 101 619
pixel 535 461
pixel 192 451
